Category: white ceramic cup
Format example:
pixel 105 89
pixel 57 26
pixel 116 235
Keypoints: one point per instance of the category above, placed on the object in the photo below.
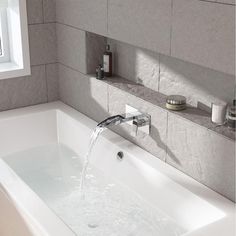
pixel 218 113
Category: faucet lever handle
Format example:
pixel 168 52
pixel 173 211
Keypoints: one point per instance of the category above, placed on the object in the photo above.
pixel 143 120
pixel 134 129
pixel 139 121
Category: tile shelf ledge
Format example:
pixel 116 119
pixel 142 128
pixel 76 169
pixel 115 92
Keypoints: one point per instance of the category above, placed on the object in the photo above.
pixel 195 115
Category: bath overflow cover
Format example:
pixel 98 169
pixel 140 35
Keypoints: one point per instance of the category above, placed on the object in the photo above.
pixel 120 155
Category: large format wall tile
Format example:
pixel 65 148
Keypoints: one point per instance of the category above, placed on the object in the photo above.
pixel 85 94
pixel 35 11
pixel 204 33
pixel 49 10
pixel 42 39
pixel 52 82
pixel 136 64
pixel 202 154
pixel 89 15
pixel 154 143
pixel 143 23
pixel 200 85
pixel 24 91
pixel 71 47
pixel 78 49
pixel 95 47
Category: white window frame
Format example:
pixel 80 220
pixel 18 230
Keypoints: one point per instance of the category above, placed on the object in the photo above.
pixel 15 61
pixel 5 57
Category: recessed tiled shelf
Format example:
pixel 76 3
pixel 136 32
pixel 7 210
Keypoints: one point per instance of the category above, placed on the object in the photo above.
pixel 192 114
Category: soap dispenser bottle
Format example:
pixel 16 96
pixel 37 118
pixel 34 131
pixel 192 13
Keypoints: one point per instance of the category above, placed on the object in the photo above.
pixel 107 62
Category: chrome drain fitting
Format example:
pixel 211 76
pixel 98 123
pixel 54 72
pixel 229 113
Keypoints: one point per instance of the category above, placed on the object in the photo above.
pixel 120 155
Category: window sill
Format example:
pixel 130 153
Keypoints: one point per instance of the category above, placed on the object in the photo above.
pixel 10 70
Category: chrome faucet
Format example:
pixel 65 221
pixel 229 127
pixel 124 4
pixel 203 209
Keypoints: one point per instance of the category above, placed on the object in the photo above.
pixel 142 120
pixel 138 120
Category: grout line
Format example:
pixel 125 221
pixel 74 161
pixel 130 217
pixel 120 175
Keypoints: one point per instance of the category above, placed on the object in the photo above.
pixel 50 63
pixel 81 29
pixel 107 16
pixel 46 77
pixel 73 68
pixel 221 3
pixel 43 11
pixel 42 23
pixel 74 27
pixel 159 74
pixel 171 25
pixel 167 123
pixel 108 102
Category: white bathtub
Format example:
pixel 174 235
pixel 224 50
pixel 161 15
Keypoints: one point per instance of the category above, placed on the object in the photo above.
pixel 195 208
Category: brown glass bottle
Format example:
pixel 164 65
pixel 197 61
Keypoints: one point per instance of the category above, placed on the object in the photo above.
pixel 107 62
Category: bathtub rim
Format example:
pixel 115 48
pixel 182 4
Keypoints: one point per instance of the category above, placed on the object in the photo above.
pixel 215 199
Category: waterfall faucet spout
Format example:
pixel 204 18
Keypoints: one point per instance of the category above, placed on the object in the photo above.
pixel 137 119
pixel 110 121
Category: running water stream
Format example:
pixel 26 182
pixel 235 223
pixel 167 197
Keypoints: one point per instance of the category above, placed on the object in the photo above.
pixel 113 120
pixel 94 137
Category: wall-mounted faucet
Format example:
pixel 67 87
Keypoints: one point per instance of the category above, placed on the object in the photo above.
pixel 142 120
pixel 136 119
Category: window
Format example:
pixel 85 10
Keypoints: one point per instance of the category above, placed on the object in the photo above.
pixel 1 45
pixel 14 45
pixel 4 45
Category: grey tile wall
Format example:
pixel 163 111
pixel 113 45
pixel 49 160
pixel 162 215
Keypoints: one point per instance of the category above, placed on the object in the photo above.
pixel 89 96
pixel 41 86
pixel 79 52
pixel 86 15
pixel 72 47
pixel 78 49
pixel 204 33
pixel 154 143
pixel 168 75
pixel 52 82
pixel 43 44
pixel 200 32
pixel 200 85
pixel 143 23
pixel 49 10
pixel 35 11
pixel 204 155
pixel 24 91
pixel 95 47
pixel 226 1
pixel 136 64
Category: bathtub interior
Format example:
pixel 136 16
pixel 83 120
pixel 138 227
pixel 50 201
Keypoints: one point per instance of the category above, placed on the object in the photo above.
pixel 138 170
